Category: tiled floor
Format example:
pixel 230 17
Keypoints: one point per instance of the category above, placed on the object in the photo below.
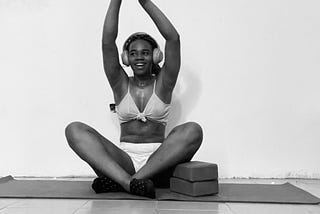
pixel 55 206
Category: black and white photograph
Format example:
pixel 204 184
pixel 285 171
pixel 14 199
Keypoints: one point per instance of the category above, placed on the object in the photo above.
pixel 159 107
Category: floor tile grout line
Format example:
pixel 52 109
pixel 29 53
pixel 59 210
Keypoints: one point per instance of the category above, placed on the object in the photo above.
pixel 84 204
pixel 77 209
pixel 230 209
pixel 10 204
pixel 156 208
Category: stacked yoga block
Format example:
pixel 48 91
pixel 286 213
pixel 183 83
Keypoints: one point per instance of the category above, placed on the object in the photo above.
pixel 195 178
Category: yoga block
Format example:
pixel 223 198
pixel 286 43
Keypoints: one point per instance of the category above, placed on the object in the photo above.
pixel 200 188
pixel 196 171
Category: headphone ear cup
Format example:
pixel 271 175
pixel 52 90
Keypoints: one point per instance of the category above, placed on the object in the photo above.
pixel 157 56
pixel 125 58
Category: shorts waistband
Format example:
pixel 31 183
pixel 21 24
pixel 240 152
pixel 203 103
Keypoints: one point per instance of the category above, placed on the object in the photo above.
pixel 139 148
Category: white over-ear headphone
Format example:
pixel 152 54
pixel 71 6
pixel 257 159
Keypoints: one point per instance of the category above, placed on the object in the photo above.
pixel 157 55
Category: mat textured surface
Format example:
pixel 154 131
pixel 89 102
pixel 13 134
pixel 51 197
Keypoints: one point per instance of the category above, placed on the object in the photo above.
pixel 252 193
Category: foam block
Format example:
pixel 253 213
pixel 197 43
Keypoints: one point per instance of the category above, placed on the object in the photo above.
pixel 200 188
pixel 196 171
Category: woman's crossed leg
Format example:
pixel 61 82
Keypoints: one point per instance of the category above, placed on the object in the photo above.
pixel 106 159
pixel 102 155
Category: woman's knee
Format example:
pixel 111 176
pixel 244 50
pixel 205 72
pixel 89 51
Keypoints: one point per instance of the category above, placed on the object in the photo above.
pixel 192 133
pixel 74 130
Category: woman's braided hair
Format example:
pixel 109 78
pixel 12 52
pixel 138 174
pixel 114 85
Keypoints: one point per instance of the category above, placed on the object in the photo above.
pixel 155 67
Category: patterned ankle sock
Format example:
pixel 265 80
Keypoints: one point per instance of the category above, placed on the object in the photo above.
pixel 142 187
pixel 104 184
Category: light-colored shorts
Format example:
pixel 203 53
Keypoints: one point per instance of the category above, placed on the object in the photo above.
pixel 139 152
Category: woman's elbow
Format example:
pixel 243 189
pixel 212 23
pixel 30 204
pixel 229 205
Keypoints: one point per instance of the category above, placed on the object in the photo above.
pixel 174 38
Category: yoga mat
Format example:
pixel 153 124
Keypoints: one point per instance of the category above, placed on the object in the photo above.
pixel 12 188
pixel 251 193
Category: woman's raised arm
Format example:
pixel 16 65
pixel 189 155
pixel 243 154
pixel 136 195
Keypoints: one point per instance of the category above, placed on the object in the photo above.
pixel 171 66
pixel 114 71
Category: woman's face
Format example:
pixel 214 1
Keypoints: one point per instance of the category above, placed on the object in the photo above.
pixel 140 57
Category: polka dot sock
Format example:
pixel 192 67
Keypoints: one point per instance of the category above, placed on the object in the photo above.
pixel 142 187
pixel 104 184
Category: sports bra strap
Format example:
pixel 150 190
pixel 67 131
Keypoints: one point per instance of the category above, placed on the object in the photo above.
pixel 129 86
pixel 154 86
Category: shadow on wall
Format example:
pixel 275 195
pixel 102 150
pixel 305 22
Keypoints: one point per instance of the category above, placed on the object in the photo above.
pixel 185 97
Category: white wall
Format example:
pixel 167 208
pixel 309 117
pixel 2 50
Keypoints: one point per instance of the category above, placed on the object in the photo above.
pixel 250 76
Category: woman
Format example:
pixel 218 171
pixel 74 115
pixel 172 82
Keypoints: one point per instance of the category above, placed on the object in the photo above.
pixel 145 158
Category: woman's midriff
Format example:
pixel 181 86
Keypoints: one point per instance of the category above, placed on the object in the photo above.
pixel 136 131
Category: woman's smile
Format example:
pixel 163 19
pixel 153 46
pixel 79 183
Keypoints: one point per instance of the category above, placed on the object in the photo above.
pixel 140 65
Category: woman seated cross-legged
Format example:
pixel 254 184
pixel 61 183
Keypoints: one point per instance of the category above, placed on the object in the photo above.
pixel 145 158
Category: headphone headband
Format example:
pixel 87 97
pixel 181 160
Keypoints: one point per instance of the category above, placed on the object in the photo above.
pixel 140 35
